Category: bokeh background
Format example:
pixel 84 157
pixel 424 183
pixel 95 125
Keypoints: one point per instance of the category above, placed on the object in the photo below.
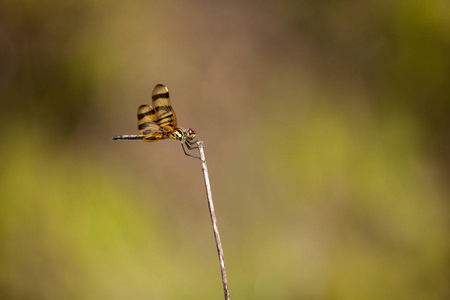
pixel 327 134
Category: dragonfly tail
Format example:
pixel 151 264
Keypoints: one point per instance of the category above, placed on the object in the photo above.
pixel 128 137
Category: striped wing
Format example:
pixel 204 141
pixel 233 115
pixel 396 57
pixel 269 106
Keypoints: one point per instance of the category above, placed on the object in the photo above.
pixel 164 111
pixel 147 120
pixel 148 128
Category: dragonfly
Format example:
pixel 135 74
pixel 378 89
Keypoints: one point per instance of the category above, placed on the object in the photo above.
pixel 160 122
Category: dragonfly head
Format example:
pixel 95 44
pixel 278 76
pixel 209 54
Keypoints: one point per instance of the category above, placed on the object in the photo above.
pixel 190 134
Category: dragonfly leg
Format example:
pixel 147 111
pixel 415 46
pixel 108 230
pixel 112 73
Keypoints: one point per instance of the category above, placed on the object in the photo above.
pixel 187 145
pixel 190 145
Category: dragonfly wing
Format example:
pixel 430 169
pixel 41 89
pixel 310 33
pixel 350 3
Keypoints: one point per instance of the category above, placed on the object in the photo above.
pixel 147 120
pixel 164 111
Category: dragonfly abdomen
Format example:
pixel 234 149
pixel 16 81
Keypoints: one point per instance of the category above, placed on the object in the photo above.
pixel 128 137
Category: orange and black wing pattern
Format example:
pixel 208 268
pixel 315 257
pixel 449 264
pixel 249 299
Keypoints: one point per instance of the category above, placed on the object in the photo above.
pixel 157 122
pixel 147 120
pixel 166 117
pixel 147 124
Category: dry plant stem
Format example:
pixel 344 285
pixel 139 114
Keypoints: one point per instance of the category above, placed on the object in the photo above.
pixel 214 221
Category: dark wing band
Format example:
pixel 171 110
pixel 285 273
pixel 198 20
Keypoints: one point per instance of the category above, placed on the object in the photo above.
pixel 147 120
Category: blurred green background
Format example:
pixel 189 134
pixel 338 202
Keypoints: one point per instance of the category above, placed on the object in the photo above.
pixel 327 134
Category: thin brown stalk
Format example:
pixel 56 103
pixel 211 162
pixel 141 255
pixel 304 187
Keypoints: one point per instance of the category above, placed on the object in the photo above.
pixel 214 221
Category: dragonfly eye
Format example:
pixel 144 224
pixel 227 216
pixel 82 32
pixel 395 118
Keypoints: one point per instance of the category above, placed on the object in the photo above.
pixel 190 134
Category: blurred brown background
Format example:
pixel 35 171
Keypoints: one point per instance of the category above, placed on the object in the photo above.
pixel 327 134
